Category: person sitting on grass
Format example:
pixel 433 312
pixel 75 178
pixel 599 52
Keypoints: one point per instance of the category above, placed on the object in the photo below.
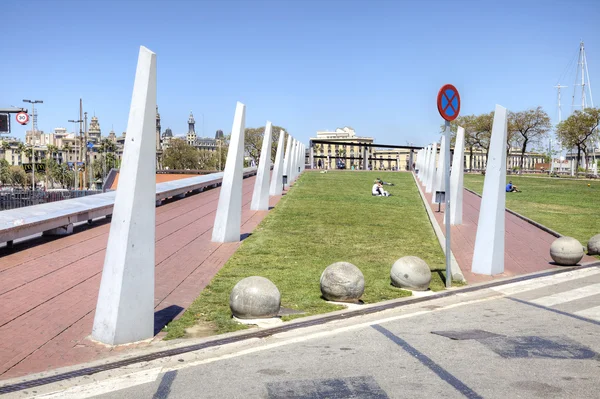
pixel 378 191
pixel 510 188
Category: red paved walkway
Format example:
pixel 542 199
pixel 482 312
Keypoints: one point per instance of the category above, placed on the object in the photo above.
pixel 48 289
pixel 527 248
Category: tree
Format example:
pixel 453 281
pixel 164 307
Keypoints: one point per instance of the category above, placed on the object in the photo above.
pixel 577 129
pixel 65 176
pixel 52 168
pixel 181 155
pixel 467 122
pixel 18 176
pixel 5 172
pixel 528 127
pixel 253 138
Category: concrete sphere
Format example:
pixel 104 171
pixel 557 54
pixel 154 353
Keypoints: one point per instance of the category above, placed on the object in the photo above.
pixel 254 298
pixel 566 251
pixel 412 273
pixel 342 282
pixel 594 245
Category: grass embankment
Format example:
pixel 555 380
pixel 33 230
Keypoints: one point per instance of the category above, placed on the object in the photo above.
pixel 325 218
pixel 569 207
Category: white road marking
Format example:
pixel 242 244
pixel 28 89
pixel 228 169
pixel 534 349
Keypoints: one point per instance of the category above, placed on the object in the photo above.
pixel 568 296
pixel 522 286
pixel 315 336
pixel 105 386
pixel 150 375
pixel 591 313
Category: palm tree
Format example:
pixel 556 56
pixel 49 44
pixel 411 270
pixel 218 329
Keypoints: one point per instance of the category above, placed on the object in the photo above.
pixel 21 148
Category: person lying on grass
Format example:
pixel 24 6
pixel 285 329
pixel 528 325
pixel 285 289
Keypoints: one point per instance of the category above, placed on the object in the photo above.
pixel 378 191
pixel 384 182
pixel 510 188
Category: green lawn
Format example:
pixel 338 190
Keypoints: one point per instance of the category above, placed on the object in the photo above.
pixel 569 207
pixel 325 218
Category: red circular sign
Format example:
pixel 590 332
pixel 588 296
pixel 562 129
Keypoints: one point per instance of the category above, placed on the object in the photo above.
pixel 448 102
pixel 22 118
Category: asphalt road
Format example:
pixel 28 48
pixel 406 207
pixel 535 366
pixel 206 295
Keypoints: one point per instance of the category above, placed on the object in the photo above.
pixel 535 339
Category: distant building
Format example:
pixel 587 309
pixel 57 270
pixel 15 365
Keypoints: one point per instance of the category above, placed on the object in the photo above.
pixel 191 134
pixel 167 136
pixel 94 131
pixel 345 152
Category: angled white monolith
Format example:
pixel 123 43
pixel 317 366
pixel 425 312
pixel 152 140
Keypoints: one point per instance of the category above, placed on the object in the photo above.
pixel 456 178
pixel 303 163
pixel 125 307
pixel 420 163
pixel 488 256
pixel 431 168
pixel 276 179
pixel 260 196
pixel 228 219
pixel 424 166
pixel 294 160
pixel 287 160
pixel 440 171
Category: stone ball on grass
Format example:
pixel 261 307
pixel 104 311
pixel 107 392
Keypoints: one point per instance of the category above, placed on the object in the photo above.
pixel 255 298
pixel 411 272
pixel 593 246
pixel 566 251
pixel 342 282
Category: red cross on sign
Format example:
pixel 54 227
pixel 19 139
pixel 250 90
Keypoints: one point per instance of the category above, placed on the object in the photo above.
pixel 448 102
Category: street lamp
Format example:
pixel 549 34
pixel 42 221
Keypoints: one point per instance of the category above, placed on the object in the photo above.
pixel 34 122
pixel 75 171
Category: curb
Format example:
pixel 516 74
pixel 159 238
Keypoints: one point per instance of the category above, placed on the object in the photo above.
pixel 525 218
pixel 35 380
pixel 457 273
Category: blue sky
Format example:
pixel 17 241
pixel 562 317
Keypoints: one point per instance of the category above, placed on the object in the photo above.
pixel 304 65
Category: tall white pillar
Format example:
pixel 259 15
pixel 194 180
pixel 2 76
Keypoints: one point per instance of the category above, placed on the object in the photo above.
pixel 260 196
pixel 488 256
pixel 125 307
pixel 440 172
pixel 431 169
pixel 276 180
pixel 456 178
pixel 228 219
pixel 421 158
pixel 294 163
pixel 426 165
pixel 287 160
pixel 418 164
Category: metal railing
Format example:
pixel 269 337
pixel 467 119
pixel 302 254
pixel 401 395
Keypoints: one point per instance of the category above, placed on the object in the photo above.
pixel 19 198
pixel 24 222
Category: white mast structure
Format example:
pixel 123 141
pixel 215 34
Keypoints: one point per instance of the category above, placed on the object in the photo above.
pixel 582 70
pixel 559 86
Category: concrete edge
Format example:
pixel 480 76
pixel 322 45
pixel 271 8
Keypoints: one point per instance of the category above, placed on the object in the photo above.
pixel 525 218
pixel 457 273
pixel 182 344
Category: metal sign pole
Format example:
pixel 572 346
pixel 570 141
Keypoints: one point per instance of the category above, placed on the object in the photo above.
pixel 447 209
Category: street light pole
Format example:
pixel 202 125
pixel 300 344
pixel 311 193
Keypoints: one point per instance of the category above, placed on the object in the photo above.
pixel 33 123
pixel 75 170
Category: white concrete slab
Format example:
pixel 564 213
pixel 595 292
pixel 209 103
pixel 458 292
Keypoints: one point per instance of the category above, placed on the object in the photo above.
pixel 228 218
pixel 125 307
pixel 260 196
pixel 488 255
pixel 456 178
